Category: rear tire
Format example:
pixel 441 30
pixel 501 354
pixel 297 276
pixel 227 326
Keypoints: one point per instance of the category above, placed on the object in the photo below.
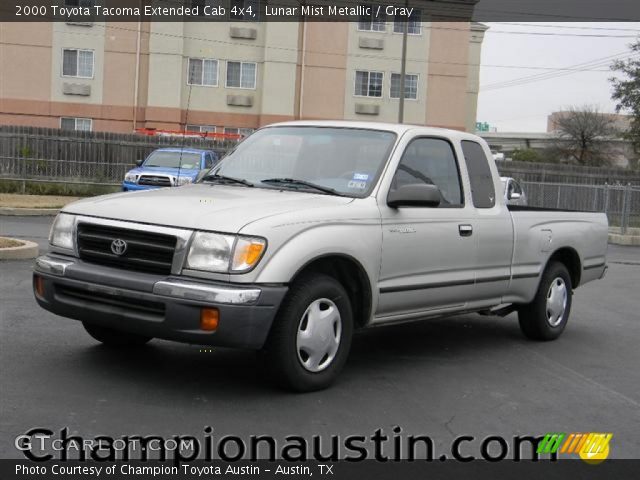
pixel 545 318
pixel 114 338
pixel 311 336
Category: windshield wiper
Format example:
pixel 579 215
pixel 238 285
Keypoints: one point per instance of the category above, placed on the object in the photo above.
pixel 224 179
pixel 303 183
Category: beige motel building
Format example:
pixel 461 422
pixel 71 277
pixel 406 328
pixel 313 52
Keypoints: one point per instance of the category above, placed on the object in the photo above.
pixel 234 77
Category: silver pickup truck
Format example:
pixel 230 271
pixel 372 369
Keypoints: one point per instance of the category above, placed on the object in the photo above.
pixel 307 231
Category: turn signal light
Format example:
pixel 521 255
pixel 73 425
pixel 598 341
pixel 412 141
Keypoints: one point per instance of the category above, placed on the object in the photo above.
pixel 38 285
pixel 247 253
pixel 251 253
pixel 209 318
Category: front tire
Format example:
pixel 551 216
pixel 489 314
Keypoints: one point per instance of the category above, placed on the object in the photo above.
pixel 114 338
pixel 310 339
pixel 545 318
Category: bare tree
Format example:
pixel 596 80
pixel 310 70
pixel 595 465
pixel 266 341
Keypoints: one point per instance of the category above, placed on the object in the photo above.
pixel 585 136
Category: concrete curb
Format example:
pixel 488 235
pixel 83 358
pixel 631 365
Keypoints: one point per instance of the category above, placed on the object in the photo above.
pixel 617 239
pixel 23 252
pixel 28 212
pixel 631 237
pixel 633 231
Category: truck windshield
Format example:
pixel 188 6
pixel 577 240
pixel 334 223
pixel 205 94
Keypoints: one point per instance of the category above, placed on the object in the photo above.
pixel 187 161
pixel 339 161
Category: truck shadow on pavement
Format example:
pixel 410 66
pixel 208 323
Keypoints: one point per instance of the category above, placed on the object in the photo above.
pixel 396 351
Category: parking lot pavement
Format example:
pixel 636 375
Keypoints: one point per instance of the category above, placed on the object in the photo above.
pixel 35 229
pixel 468 375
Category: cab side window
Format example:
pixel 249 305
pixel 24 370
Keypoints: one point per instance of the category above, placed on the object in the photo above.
pixel 482 190
pixel 516 188
pixel 208 161
pixel 431 161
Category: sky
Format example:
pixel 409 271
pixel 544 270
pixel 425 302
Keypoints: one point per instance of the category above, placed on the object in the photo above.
pixel 508 56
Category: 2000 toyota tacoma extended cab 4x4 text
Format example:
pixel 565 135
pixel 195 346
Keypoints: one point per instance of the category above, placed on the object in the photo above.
pixel 307 231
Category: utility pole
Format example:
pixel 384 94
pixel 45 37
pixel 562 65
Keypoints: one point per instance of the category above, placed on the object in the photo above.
pixel 403 67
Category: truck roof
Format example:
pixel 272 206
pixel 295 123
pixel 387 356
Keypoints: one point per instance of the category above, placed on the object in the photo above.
pixel 184 150
pixel 389 127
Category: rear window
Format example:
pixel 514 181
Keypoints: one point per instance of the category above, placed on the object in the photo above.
pixel 482 191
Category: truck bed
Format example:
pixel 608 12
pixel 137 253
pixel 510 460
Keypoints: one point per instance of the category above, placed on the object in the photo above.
pixel 539 232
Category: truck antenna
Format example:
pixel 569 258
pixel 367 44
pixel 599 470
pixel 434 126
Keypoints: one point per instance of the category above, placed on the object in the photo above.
pixel 184 131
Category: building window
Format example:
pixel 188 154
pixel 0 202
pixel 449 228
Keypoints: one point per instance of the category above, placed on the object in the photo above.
pixel 371 23
pixel 248 10
pixel 368 84
pixel 410 86
pixel 77 63
pixel 201 128
pixel 241 75
pixel 202 4
pixel 78 124
pixel 79 3
pixel 243 132
pixel 203 72
pixel 414 27
pixel 80 19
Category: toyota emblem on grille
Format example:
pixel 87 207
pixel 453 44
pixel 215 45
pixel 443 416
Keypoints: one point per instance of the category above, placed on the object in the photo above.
pixel 119 247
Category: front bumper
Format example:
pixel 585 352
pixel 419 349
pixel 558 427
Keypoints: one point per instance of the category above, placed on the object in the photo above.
pixel 134 187
pixel 155 305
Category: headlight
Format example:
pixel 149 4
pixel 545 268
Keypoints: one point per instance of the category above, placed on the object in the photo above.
pixel 131 178
pixel 214 252
pixel 62 231
pixel 183 181
pixel 210 251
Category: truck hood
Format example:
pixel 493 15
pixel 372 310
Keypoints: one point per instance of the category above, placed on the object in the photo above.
pixel 219 208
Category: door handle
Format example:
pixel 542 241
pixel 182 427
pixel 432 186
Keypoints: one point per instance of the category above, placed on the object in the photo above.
pixel 465 230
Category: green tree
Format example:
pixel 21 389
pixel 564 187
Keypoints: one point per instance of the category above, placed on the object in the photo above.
pixel 626 93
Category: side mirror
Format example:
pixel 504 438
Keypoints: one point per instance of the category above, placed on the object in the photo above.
pixel 139 163
pixel 514 196
pixel 415 195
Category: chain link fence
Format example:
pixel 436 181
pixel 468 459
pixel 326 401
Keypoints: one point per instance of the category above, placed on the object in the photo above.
pixel 63 171
pixel 49 155
pixel 621 203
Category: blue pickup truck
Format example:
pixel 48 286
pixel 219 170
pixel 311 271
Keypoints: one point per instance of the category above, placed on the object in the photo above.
pixel 169 167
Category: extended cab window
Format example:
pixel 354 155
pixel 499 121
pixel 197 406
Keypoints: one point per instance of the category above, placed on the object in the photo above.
pixel 482 191
pixel 431 161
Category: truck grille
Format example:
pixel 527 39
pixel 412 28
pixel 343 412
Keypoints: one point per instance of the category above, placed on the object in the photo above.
pixel 154 180
pixel 129 304
pixel 127 249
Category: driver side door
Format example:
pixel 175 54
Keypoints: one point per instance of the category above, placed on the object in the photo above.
pixel 428 253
